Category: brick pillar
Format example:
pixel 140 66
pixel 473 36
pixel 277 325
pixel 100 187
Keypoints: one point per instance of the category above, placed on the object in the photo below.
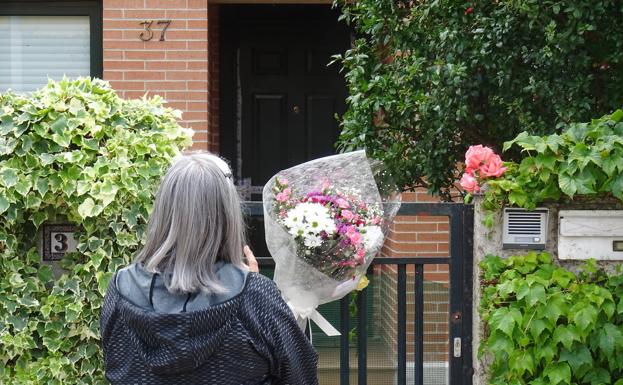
pixel 176 69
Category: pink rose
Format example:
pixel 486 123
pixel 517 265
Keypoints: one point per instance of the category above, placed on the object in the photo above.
pixel 342 203
pixel 355 238
pixel 476 156
pixel 493 167
pixel 469 183
pixel 348 215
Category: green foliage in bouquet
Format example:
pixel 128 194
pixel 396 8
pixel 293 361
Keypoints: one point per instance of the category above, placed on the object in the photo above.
pixel 585 159
pixel 72 152
pixel 428 78
pixel 547 326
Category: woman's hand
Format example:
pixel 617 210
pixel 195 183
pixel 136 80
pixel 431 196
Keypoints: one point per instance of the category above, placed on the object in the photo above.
pixel 251 261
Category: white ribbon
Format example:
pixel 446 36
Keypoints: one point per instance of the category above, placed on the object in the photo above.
pixel 312 314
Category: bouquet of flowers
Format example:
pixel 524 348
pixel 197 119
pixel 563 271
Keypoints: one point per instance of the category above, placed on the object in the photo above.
pixel 325 221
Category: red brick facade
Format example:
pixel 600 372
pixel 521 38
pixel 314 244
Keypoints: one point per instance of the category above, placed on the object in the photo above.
pixel 176 69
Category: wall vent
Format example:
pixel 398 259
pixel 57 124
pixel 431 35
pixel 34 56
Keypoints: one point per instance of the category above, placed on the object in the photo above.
pixel 525 229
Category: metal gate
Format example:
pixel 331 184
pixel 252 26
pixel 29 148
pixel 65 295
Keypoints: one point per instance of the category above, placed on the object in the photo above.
pixel 459 317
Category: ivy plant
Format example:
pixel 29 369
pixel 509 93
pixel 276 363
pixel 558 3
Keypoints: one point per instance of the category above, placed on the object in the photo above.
pixel 548 326
pixel 428 78
pixel 72 152
pixel 585 159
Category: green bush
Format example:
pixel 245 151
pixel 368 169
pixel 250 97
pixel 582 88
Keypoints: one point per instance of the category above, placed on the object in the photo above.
pixel 586 159
pixel 72 152
pixel 547 326
pixel 427 78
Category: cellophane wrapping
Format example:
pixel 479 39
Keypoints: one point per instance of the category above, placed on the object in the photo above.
pixel 325 221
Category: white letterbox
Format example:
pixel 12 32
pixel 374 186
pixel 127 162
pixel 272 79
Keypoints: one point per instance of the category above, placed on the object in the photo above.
pixel 584 234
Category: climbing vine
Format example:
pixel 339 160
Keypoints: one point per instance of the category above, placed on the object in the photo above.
pixel 548 326
pixel 72 152
pixel 586 159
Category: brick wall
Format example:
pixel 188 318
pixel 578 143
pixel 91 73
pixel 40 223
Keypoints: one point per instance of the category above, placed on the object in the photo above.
pixel 176 69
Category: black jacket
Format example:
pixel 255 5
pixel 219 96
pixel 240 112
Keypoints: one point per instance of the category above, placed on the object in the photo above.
pixel 252 338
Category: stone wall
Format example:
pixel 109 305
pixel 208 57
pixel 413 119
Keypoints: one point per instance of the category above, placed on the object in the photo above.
pixel 489 242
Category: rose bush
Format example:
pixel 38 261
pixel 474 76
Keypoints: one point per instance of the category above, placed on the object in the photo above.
pixel 481 164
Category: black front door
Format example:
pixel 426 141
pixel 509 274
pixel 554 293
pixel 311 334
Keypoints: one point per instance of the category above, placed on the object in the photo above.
pixel 279 99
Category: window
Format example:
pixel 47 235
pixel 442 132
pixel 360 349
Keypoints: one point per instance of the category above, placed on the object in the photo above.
pixel 52 39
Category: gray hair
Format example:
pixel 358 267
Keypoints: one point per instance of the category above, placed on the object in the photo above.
pixel 196 222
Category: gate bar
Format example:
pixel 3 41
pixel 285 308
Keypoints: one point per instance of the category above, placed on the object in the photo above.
pixel 455 315
pixel 402 324
pixel 362 336
pixel 418 351
pixel 344 343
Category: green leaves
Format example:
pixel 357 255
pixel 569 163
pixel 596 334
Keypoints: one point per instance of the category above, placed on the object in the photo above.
pixel 586 159
pixel 566 335
pixel 88 208
pixel 505 319
pixel 609 337
pixel 427 79
pixel 548 326
pixel 558 373
pixel 8 177
pixel 68 154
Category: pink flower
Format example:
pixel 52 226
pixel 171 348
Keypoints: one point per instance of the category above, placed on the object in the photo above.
pixel 469 183
pixel 493 167
pixel 361 253
pixel 342 203
pixel 375 220
pixel 348 215
pixel 284 195
pixel 353 234
pixel 477 156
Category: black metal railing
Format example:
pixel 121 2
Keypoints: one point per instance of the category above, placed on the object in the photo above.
pixel 459 263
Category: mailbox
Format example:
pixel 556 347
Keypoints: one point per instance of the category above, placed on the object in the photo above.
pixel 584 234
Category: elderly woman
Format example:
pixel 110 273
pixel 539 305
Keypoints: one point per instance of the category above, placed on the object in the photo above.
pixel 189 310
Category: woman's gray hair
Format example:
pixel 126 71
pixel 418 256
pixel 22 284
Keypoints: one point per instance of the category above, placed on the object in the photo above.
pixel 196 222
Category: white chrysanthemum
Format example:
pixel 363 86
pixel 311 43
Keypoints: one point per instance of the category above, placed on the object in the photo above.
pixel 312 241
pixel 308 220
pixel 372 237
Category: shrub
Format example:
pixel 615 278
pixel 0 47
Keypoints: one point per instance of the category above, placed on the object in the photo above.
pixel 586 159
pixel 72 152
pixel 427 78
pixel 547 326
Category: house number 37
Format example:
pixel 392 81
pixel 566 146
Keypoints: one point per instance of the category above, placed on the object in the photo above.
pixel 148 33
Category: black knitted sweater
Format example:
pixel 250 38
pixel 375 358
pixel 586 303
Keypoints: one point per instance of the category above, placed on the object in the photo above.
pixel 252 338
